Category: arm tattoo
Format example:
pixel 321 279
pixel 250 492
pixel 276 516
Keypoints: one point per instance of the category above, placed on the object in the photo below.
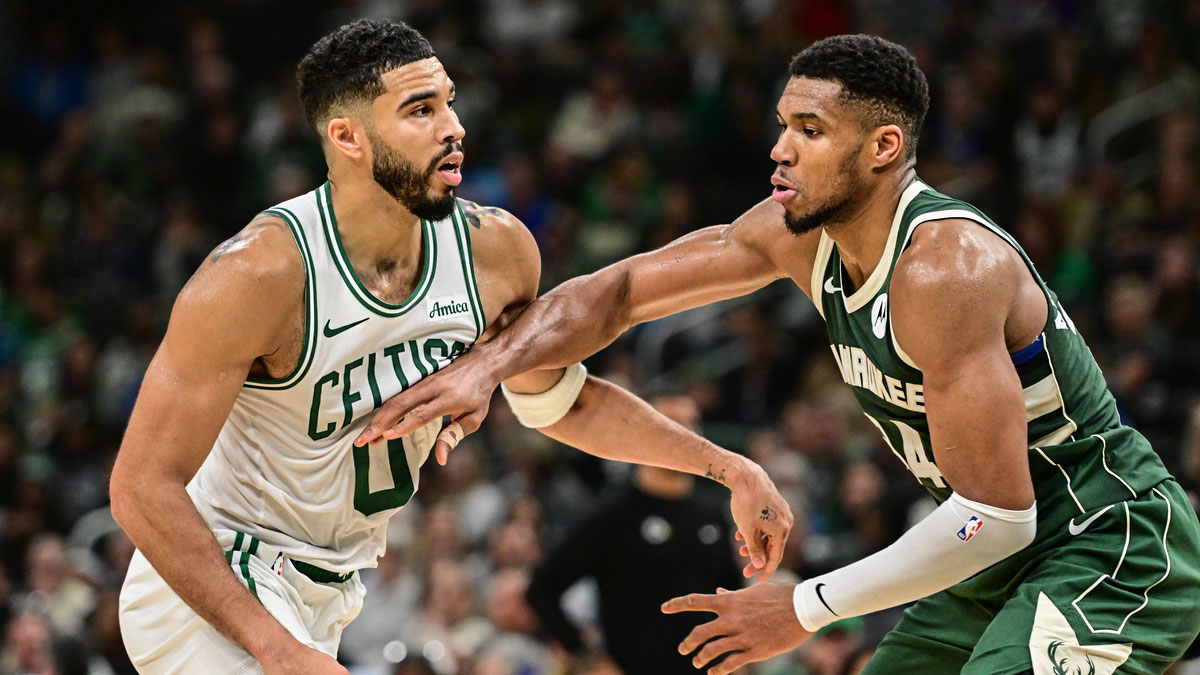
pixel 717 477
pixel 474 213
pixel 768 514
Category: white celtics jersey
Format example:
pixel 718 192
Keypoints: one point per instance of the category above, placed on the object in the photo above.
pixel 284 468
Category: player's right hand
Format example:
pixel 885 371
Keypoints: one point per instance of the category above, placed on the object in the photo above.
pixel 763 519
pixel 462 390
pixel 300 660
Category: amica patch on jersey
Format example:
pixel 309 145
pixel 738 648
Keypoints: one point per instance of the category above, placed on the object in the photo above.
pixel 446 306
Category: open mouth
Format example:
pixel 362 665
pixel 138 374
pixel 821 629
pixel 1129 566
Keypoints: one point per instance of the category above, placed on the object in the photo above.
pixel 782 191
pixel 451 169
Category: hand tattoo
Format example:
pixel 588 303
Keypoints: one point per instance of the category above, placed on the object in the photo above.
pixel 716 477
pixel 768 514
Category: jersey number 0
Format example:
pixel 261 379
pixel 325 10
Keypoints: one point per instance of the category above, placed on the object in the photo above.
pixel 367 502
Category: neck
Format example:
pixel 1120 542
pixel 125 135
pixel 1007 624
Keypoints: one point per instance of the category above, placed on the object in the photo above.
pixel 374 227
pixel 862 236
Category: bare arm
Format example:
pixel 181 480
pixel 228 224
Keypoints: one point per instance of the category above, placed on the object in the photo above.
pixel 585 314
pixel 605 420
pixel 971 282
pixel 232 311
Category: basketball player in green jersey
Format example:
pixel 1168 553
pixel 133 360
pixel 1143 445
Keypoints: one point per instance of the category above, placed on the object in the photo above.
pixel 1060 545
pixel 237 478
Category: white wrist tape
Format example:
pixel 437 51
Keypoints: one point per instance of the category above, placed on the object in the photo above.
pixel 542 410
pixel 955 541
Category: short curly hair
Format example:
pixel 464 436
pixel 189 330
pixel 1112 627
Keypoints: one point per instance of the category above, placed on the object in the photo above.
pixel 878 77
pixel 344 67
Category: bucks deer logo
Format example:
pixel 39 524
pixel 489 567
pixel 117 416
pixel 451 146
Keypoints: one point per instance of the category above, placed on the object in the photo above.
pixel 1061 667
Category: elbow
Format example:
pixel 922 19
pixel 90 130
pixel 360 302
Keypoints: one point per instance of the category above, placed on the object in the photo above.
pixel 124 495
pixel 619 317
pixel 119 497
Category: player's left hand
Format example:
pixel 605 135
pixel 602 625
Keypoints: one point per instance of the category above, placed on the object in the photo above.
pixel 763 518
pixel 752 624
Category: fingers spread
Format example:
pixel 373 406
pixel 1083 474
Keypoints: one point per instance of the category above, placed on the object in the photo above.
pixel 699 635
pixel 736 660
pixel 714 649
pixel 387 416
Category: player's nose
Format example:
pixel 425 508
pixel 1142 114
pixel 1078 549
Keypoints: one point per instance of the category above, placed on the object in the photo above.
pixel 783 153
pixel 452 131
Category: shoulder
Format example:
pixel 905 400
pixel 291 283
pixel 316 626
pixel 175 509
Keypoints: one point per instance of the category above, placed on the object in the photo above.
pixel 261 261
pixel 955 257
pixel 952 291
pixel 764 229
pixel 505 254
pixel 494 227
pixel 244 298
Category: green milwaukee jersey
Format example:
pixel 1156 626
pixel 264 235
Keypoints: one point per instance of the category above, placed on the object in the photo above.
pixel 1081 456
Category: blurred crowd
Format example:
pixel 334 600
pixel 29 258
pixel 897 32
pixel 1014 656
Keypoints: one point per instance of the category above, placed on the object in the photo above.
pixel 135 136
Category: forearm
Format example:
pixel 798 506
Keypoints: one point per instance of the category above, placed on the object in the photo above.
pixel 164 524
pixel 609 422
pixel 959 539
pixel 570 323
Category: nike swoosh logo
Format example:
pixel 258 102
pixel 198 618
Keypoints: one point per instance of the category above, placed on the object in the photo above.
pixel 1077 529
pixel 822 599
pixel 830 288
pixel 330 332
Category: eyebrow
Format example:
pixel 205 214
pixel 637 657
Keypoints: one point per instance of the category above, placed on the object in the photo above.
pixel 422 96
pixel 419 96
pixel 799 116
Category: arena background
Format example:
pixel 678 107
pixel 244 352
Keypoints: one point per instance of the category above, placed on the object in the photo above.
pixel 135 136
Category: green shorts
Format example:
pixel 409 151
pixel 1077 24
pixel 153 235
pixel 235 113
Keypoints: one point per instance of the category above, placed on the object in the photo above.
pixel 1116 589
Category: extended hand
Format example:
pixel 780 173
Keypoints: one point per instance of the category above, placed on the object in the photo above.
pixel 763 519
pixel 462 389
pixel 301 660
pixel 752 624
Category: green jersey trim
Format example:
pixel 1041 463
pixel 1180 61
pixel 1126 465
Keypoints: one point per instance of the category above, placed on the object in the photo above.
pixel 356 286
pixel 468 264
pixel 309 348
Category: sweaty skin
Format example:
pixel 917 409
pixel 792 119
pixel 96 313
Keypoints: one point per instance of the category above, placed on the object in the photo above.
pixel 962 300
pixel 243 314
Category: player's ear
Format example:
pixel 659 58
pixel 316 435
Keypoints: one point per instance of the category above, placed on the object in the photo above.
pixel 347 136
pixel 885 145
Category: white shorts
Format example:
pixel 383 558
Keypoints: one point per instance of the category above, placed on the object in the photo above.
pixel 164 636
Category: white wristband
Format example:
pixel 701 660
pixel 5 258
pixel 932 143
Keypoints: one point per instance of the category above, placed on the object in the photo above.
pixel 544 409
pixel 957 540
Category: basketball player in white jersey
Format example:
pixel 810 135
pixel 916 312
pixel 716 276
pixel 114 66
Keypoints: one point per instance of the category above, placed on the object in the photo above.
pixel 238 479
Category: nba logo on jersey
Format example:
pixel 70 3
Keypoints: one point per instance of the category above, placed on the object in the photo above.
pixel 970 528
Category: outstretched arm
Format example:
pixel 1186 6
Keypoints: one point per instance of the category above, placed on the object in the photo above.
pixel 584 315
pixel 233 310
pixel 596 416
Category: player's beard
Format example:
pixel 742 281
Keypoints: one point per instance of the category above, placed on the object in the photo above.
pixel 836 208
pixel 409 185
